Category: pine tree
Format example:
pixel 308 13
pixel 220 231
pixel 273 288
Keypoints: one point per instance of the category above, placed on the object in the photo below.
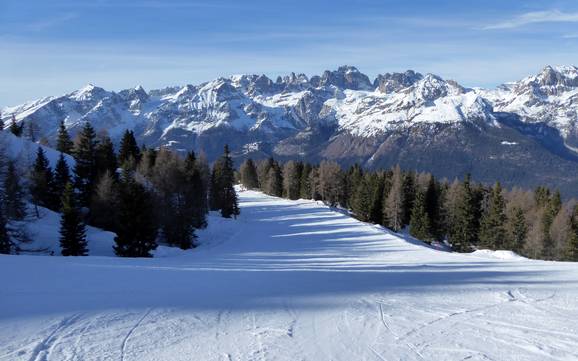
pixel 362 200
pixel 129 150
pixel 64 143
pixel 409 191
pixel 352 180
pixel 85 171
pixel 419 224
pixel 274 181
pixel 61 177
pixel 72 229
pixel 196 191
pixel 291 179
pixel 304 184
pixel 393 210
pixel 377 185
pixel 15 128
pixel 137 226
pixel 571 253
pixel 5 244
pixel 518 230
pixel 552 207
pixel 14 206
pixel 105 157
pixel 463 231
pixel 41 182
pixel 492 231
pixel 433 208
pixel 230 205
pixel 248 173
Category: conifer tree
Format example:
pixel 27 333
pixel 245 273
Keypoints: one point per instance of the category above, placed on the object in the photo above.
pixel 195 193
pixel 419 224
pixel 14 206
pixel 15 128
pixel 433 208
pixel 223 195
pixel 61 177
pixel 377 185
pixel 85 171
pixel 72 229
pixel 137 226
pixel 518 229
pixel 571 253
pixel 248 173
pixel 105 157
pixel 393 210
pixel 552 207
pixel 353 178
pixel 64 143
pixel 129 150
pixel 291 179
pixel 492 228
pixel 304 184
pixel 409 191
pixel 5 244
pixel 41 182
pixel 263 171
pixel 274 181
pixel 463 231
pixel 362 200
pixel 331 185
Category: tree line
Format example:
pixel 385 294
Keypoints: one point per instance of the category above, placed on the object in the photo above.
pixel 462 213
pixel 144 195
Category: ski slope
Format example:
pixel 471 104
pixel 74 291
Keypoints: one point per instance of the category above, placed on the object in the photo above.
pixel 289 280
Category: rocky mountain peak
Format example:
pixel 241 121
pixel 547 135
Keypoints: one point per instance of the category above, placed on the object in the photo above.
pixel 393 82
pixel 550 81
pixel 346 77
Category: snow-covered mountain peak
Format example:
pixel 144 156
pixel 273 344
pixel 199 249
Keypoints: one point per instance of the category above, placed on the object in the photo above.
pixel 89 91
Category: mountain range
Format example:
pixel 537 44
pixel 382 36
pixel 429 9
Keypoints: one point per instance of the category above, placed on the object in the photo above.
pixel 521 133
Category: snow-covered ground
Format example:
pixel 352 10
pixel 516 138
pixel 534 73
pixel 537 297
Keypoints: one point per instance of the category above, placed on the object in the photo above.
pixel 289 280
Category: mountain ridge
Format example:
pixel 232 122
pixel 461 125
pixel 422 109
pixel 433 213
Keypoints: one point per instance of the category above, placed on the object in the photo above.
pixel 345 116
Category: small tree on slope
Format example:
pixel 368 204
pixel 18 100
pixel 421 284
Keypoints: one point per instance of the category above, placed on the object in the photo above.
pixel 419 224
pixel 72 229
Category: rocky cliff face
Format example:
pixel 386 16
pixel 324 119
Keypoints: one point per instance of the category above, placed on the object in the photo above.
pixel 523 132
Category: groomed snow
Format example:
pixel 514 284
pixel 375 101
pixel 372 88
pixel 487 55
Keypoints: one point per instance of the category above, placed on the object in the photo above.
pixel 289 280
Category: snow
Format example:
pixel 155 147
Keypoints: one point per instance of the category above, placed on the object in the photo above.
pixel 289 280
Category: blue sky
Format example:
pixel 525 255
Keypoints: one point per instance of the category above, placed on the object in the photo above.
pixel 49 47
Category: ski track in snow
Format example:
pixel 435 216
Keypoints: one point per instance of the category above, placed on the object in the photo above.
pixel 289 281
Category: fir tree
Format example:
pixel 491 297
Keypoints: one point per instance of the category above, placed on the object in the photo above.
pixel 248 174
pixel 552 207
pixel 72 229
pixel 571 253
pixel 229 205
pixel 5 244
pixel 196 191
pixel 291 179
pixel 377 185
pixel 409 191
pixel 85 171
pixel 362 200
pixel 274 181
pixel 393 210
pixel 105 157
pixel 64 143
pixel 137 226
pixel 518 230
pixel 433 208
pixel 41 182
pixel 419 224
pixel 492 231
pixel 304 184
pixel 463 231
pixel 14 206
pixel 61 177
pixel 129 150
pixel 15 128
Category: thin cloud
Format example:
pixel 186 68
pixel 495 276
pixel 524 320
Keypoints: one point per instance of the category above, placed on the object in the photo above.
pixel 535 17
pixel 50 23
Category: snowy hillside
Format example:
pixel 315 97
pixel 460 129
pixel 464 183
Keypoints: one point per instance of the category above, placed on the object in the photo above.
pixel 290 280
